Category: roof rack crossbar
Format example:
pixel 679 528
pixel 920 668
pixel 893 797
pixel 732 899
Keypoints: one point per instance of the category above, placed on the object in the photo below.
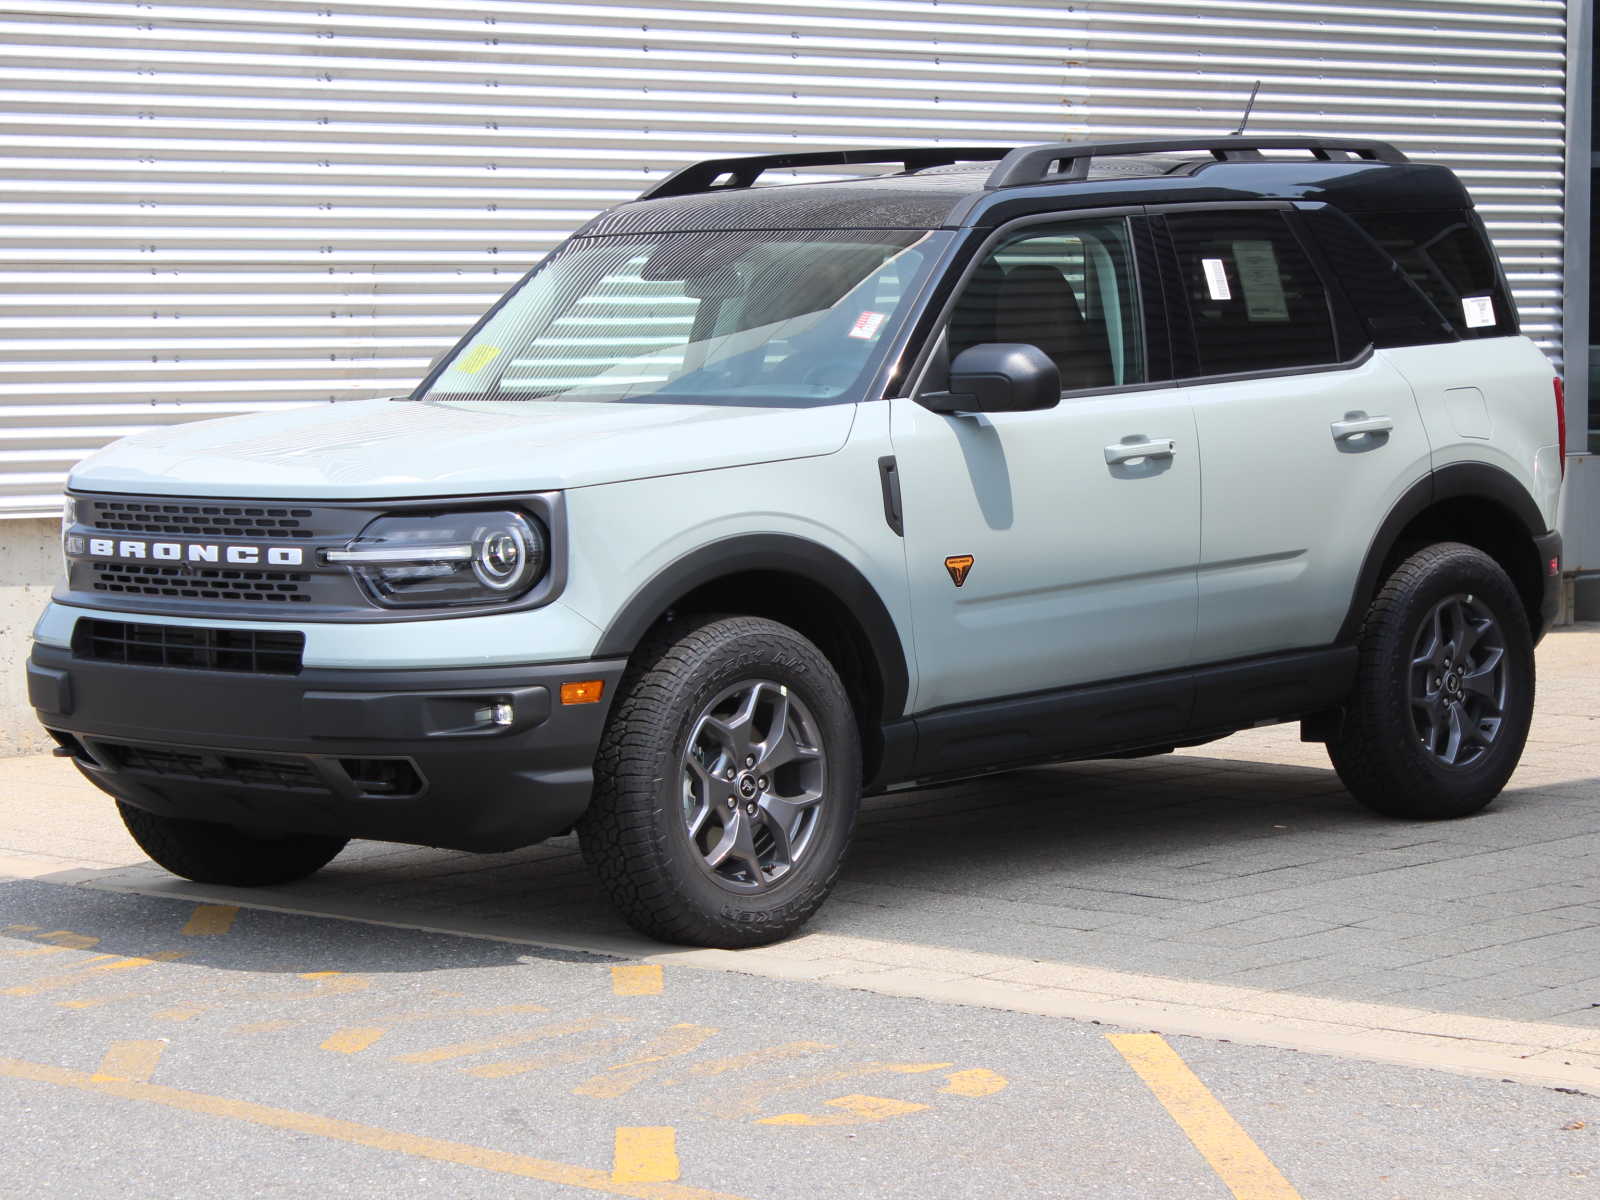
pixel 1035 164
pixel 708 176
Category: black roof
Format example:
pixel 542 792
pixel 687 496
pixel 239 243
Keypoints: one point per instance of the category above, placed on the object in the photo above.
pixel 935 190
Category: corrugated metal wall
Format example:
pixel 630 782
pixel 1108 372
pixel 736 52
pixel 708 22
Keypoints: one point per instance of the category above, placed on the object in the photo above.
pixel 213 208
pixel 1479 85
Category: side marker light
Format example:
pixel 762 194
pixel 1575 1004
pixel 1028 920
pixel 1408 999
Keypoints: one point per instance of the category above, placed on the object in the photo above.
pixel 587 691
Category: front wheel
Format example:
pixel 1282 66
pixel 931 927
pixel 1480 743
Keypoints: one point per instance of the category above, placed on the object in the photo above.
pixel 1444 692
pixel 726 784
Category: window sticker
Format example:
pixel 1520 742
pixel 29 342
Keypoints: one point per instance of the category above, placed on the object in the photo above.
pixel 1478 311
pixel 867 325
pixel 1216 278
pixel 477 359
pixel 1261 281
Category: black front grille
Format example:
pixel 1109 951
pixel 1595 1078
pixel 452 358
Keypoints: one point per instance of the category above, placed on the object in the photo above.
pixel 196 519
pixel 252 651
pixel 202 583
pixel 283 774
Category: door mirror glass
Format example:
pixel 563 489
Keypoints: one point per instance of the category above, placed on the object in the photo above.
pixel 999 377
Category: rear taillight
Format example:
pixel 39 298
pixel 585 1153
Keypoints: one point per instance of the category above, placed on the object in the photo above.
pixel 1561 423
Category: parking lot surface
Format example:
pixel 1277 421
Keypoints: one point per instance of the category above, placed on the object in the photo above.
pixel 1375 982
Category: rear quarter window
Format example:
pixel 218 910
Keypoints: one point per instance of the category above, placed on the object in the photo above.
pixel 1448 256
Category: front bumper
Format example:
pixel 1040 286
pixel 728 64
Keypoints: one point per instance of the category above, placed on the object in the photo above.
pixel 392 755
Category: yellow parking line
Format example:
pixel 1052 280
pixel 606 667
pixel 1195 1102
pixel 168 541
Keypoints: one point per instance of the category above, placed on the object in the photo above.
pixel 974 1083
pixel 353 1040
pixel 132 1062
pixel 854 1110
pixel 641 979
pixel 350 1132
pixel 645 1154
pixel 210 920
pixel 1233 1155
pixel 96 964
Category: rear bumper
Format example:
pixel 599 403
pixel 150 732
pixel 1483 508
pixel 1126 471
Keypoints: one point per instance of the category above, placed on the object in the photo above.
pixel 403 756
pixel 1550 564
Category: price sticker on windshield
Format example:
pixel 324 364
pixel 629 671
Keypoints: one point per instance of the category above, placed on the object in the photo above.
pixel 867 325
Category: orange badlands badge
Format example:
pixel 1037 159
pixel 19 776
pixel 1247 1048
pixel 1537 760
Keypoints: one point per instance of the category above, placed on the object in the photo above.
pixel 958 565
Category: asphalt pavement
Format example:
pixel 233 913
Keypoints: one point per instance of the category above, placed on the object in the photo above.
pixel 156 1048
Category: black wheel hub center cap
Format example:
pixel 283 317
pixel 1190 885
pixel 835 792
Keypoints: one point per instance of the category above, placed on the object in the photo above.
pixel 747 786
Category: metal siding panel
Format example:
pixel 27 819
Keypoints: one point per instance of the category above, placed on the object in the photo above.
pixel 1478 85
pixel 217 208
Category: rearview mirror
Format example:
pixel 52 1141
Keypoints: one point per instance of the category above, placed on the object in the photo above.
pixel 999 377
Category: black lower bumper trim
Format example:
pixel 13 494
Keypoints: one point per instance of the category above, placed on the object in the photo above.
pixel 485 759
pixel 1550 565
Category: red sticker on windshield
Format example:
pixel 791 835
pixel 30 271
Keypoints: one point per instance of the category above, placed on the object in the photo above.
pixel 867 325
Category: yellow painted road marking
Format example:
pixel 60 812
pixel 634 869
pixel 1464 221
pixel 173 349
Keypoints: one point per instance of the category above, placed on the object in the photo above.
pixel 320 974
pixel 60 939
pixel 975 1083
pixel 19 929
pixel 750 1100
pixel 504 1042
pixel 625 1076
pixel 1233 1155
pixel 353 1040
pixel 642 979
pixel 210 920
pixel 480 1157
pixel 132 1062
pixel 756 1058
pixel 97 964
pixel 178 1014
pixel 522 1066
pixel 645 1154
pixel 854 1110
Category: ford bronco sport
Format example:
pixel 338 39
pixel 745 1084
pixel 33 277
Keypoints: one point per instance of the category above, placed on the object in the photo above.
pixel 749 500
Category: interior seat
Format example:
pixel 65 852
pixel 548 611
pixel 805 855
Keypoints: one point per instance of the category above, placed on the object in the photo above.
pixel 1038 307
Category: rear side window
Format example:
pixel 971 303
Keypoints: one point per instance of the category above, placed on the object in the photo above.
pixel 1447 255
pixel 1255 301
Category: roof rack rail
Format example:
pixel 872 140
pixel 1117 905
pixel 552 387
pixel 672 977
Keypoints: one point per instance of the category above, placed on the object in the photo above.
pixel 743 172
pixel 1034 164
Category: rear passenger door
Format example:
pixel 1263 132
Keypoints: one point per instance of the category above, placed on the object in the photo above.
pixel 1306 438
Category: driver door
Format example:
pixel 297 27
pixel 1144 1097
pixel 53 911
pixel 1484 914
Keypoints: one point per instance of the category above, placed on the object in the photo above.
pixel 1083 549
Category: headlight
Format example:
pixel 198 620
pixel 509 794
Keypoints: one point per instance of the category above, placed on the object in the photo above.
pixel 446 559
pixel 69 545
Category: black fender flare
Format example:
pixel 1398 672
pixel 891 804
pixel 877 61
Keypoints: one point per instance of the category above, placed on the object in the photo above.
pixel 768 552
pixel 1479 480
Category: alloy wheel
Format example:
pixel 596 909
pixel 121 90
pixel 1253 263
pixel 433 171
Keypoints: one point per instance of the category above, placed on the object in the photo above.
pixel 1458 680
pixel 753 784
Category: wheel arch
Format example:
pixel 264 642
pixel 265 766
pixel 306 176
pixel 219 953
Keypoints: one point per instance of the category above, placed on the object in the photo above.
pixel 801 583
pixel 1474 503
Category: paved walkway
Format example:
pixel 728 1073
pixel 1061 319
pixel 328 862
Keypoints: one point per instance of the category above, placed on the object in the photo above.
pixel 1234 890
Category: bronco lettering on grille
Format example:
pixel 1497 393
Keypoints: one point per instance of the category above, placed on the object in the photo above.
pixel 195 552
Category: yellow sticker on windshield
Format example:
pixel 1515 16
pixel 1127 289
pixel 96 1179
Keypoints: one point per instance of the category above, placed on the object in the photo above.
pixel 477 359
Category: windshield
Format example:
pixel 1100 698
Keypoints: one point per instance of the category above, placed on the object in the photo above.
pixel 735 317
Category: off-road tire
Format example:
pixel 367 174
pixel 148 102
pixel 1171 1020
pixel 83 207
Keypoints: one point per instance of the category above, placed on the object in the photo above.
pixel 1378 753
pixel 634 835
pixel 210 853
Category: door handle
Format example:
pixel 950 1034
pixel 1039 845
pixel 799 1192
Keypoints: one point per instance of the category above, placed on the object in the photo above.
pixel 1144 448
pixel 1356 424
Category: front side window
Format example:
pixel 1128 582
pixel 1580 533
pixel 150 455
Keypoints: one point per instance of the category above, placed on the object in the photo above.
pixel 1255 301
pixel 1068 289
pixel 732 316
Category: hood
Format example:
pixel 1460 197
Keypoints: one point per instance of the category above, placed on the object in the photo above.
pixel 378 449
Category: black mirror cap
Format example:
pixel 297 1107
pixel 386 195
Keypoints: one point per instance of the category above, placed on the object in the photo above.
pixel 999 377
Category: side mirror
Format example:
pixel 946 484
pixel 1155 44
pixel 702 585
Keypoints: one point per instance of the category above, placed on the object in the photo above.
pixel 999 377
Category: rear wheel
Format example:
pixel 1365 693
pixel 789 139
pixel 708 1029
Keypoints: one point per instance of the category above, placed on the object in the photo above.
pixel 726 784
pixel 1444 693
pixel 209 853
